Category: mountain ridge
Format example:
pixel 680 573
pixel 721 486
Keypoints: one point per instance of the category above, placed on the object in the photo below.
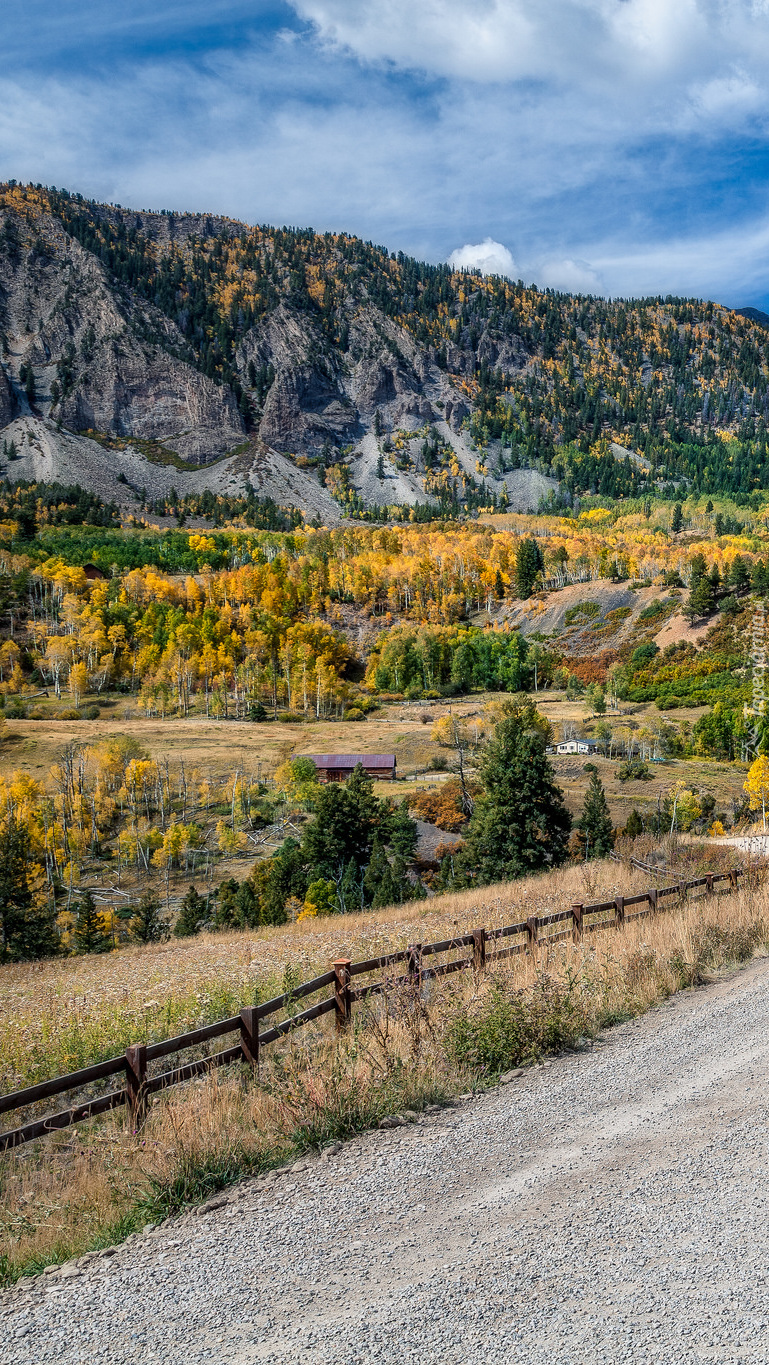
pixel 384 380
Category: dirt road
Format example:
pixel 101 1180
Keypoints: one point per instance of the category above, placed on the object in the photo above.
pixel 612 1206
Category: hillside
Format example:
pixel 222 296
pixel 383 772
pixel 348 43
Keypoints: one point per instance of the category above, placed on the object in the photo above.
pixel 304 362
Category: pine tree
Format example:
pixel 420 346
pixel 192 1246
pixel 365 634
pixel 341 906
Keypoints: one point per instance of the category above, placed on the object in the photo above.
pixel 89 934
pixel 346 820
pixel 378 886
pixel 738 575
pixel 351 889
pixel 148 924
pixel 595 821
pixel 677 520
pixel 700 600
pixel 520 824
pixel 635 825
pixel 402 831
pixel 528 562
pixel 192 913
pixel 27 930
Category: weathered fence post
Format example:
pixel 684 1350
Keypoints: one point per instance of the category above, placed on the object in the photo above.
pixel 415 963
pixel 531 925
pixel 479 951
pixel 135 1082
pixel 709 883
pixel 619 909
pixel 249 1035
pixel 652 894
pixel 342 1001
pixel 576 913
pixel 733 879
pixel 683 887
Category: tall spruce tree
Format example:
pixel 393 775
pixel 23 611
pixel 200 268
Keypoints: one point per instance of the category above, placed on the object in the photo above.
pixel 520 824
pixel 701 599
pixel 90 934
pixel 528 562
pixel 191 915
pixel 149 924
pixel 595 820
pixel 27 930
pixel 347 819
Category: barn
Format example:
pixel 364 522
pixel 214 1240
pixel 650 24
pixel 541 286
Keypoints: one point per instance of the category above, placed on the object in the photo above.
pixel 338 767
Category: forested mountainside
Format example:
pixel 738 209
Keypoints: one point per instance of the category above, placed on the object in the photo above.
pixel 385 379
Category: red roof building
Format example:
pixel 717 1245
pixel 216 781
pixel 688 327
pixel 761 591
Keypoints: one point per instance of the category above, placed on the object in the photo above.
pixel 338 767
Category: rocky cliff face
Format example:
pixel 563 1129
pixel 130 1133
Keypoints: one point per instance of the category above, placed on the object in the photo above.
pixel 104 356
pixel 101 360
pixel 234 349
pixel 322 396
pixel 7 400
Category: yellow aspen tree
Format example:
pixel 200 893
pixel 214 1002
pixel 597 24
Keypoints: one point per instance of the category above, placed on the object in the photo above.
pixel 757 785
pixel 78 682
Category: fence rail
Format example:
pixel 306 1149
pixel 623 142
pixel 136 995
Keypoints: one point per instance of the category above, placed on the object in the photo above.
pixel 536 931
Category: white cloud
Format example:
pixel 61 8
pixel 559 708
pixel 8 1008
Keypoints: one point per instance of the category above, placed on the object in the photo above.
pixel 603 139
pixel 569 276
pixel 488 256
pixel 654 48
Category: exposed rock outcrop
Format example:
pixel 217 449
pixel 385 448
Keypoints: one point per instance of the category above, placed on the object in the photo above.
pixel 7 400
pixel 102 360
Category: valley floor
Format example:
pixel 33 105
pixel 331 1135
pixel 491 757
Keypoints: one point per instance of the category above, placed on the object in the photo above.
pixel 607 1207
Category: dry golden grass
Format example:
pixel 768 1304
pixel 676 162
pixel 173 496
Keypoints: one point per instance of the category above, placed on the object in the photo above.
pixel 220 746
pixel 88 1186
pixel 63 1013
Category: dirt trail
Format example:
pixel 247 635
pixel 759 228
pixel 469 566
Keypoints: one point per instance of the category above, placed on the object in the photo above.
pixel 611 1206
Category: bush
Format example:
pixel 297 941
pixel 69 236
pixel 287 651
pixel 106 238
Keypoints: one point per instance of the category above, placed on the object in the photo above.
pixel 635 770
pixel 354 713
pixel 506 1027
pixel 654 611
pixel 644 654
pixel 443 805
pixel 89 713
pixel 583 611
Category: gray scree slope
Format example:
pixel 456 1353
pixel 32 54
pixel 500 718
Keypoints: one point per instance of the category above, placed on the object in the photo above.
pixel 609 1207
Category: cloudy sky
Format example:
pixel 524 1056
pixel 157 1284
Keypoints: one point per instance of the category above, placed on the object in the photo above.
pixel 612 146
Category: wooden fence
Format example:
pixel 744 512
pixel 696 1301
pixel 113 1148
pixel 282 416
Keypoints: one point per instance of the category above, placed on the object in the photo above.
pixel 486 945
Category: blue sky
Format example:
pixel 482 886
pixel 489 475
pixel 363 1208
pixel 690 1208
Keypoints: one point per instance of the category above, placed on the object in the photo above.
pixel 615 146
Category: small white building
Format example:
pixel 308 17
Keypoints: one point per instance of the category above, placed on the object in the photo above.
pixel 576 746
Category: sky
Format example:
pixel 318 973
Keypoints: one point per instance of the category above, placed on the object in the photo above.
pixel 616 147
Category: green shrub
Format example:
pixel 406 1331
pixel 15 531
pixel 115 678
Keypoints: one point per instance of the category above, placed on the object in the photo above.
pixel 583 611
pixel 635 770
pixel 654 610
pixel 506 1027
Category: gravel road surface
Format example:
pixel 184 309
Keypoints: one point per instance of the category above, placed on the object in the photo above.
pixel 611 1206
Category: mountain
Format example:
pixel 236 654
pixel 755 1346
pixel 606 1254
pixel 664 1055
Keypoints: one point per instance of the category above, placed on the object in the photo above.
pixel 196 351
pixel 755 315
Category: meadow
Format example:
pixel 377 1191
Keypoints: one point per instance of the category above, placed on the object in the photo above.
pixel 85 1187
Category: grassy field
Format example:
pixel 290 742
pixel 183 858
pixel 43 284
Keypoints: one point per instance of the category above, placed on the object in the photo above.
pixel 219 746
pixel 89 1186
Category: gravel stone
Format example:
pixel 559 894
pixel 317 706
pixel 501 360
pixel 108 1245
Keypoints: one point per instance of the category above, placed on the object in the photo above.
pixel 610 1208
